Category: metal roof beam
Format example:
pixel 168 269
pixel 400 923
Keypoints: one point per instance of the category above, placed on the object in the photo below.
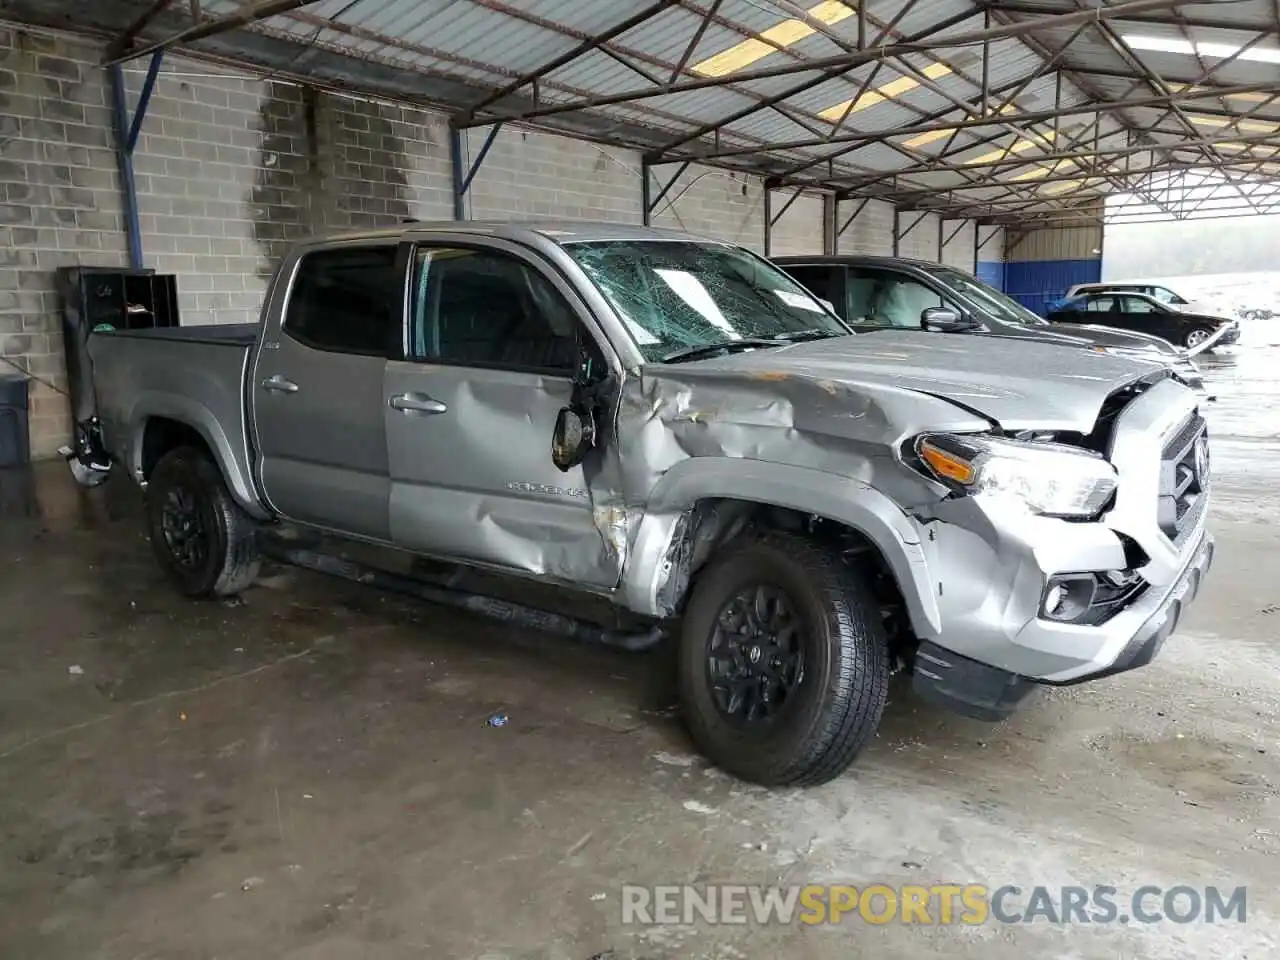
pixel 906 196
pixel 1267 139
pixel 1209 23
pixel 586 46
pixel 822 77
pixel 1064 219
pixel 833 66
pixel 696 39
pixel 211 28
pixel 121 43
pixel 878 136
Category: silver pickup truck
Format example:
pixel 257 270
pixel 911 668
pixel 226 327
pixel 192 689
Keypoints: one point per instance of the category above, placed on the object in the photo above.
pixel 676 426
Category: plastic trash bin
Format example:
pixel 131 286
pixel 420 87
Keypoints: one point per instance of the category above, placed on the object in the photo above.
pixel 15 449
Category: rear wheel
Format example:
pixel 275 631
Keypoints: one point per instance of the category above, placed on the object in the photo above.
pixel 200 537
pixel 784 664
pixel 1197 336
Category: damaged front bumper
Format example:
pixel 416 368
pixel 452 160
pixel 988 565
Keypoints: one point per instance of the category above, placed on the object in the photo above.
pixel 1025 600
pixel 991 692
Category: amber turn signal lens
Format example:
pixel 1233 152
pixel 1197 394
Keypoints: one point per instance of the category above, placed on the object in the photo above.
pixel 947 465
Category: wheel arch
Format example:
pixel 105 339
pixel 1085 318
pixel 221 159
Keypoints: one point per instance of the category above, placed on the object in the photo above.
pixel 703 502
pixel 162 422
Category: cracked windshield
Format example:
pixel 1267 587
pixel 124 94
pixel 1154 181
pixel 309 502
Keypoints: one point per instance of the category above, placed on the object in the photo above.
pixel 685 300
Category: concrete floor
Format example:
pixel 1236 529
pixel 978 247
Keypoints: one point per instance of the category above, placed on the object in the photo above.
pixel 309 773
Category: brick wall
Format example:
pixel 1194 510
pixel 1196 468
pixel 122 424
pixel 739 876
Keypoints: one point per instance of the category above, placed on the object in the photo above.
pixel 799 229
pixel 60 206
pixel 229 170
pixel 958 251
pixel 870 233
pixel 715 203
pixel 921 239
pixel 538 175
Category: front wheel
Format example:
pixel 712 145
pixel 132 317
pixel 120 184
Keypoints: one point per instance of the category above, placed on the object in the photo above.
pixel 201 538
pixel 1197 336
pixel 784 665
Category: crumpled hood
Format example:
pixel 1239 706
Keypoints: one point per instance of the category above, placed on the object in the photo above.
pixel 1019 384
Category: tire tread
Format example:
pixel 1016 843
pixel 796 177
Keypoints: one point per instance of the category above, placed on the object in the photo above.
pixel 857 689
pixel 240 559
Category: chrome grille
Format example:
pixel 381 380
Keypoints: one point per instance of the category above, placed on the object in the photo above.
pixel 1184 479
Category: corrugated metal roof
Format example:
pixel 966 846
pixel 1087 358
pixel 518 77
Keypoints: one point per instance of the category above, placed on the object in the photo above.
pixel 457 53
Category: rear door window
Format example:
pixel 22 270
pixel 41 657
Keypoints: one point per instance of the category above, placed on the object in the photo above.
pixel 1100 304
pixel 347 300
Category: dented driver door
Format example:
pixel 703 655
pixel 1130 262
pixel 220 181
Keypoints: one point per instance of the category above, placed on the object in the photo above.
pixel 490 348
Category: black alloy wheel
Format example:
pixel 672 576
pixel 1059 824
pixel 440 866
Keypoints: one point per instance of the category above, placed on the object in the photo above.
pixel 755 658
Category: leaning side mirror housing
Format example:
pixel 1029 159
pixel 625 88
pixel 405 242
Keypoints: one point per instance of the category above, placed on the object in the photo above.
pixel 574 435
pixel 944 320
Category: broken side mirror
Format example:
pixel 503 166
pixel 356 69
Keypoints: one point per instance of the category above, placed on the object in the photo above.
pixel 575 430
pixel 574 435
pixel 944 320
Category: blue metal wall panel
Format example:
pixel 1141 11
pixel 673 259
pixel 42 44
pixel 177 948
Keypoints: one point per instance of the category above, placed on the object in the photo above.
pixel 992 272
pixel 1037 283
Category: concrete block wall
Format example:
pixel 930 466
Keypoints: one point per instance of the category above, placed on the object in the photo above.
pixel 231 170
pixel 958 251
pixel 721 204
pixel 539 175
pixel 799 229
pixel 921 242
pixel 871 232
pixel 59 207
pixel 991 243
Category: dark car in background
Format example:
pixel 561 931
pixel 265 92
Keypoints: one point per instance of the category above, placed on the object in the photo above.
pixel 872 293
pixel 1143 313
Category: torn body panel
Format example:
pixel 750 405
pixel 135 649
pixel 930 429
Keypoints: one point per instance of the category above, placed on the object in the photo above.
pixel 695 434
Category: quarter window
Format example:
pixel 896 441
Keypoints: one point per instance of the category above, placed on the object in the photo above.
pixel 346 300
pixel 487 308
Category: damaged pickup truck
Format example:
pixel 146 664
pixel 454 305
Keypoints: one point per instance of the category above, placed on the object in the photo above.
pixel 676 426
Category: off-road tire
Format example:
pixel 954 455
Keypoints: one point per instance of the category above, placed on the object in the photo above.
pixel 232 561
pixel 841 696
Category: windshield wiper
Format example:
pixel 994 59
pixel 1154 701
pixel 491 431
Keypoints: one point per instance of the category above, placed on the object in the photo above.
pixel 799 335
pixel 710 349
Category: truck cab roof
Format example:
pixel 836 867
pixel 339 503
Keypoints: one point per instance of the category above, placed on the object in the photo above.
pixel 556 231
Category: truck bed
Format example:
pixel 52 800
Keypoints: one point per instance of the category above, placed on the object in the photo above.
pixel 195 375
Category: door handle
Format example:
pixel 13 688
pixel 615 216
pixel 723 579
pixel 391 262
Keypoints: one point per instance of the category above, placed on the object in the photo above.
pixel 416 403
pixel 279 384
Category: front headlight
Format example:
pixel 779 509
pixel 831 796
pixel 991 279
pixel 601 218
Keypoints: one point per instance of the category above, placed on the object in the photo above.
pixel 1047 478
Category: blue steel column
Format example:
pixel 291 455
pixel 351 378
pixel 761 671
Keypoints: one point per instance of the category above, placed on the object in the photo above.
pixel 462 177
pixel 127 132
pixel 455 164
